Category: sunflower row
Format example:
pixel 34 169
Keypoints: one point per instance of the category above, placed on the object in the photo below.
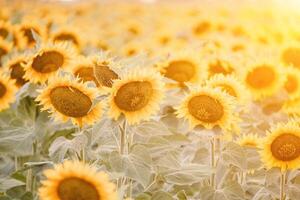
pixel 203 66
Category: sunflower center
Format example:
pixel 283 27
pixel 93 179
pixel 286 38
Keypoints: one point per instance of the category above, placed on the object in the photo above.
pixel 228 89
pixel 220 67
pixel 180 70
pixel 86 74
pixel 77 189
pixel 286 147
pixel 3 32
pixel 3 52
pixel 48 62
pixel 70 101
pixel 17 73
pixel 261 77
pixel 291 56
pixel 206 108
pixel 104 75
pixel 134 95
pixel 291 84
pixel 66 37
pixel 202 27
pixel 2 90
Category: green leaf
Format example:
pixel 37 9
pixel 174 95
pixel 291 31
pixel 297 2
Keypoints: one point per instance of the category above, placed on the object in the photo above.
pixel 136 165
pixel 187 174
pixel 143 196
pixel 8 183
pixel 160 195
pixel 233 154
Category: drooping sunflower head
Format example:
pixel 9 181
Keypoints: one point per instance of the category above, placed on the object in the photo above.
pixel 15 66
pixel 137 95
pixel 106 70
pixel 249 140
pixel 75 180
pixel 183 67
pixel 231 85
pixel 208 107
pixel 292 82
pixel 70 99
pixel 263 78
pixel 281 147
pixel 46 61
pixel 8 91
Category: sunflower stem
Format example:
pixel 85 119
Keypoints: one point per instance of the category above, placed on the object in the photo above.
pixel 16 163
pixel 282 184
pixel 29 180
pixel 122 179
pixel 213 160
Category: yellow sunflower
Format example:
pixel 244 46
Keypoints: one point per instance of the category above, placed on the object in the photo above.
pixel 7 30
pixel 5 48
pixel 46 60
pixel 249 140
pixel 68 34
pixel 106 70
pixel 292 83
pixel 182 67
pixel 208 107
pixel 70 99
pixel 263 78
pixel 136 95
pixel 75 180
pixel 281 147
pixel 290 54
pixel 219 65
pixel 8 91
pixel 15 66
pixel 83 68
pixel 231 85
pixel 26 28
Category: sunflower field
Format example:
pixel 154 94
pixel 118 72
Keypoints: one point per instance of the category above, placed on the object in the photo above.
pixel 149 100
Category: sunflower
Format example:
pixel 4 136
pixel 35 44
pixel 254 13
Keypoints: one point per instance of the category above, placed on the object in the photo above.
pixel 70 99
pixel 290 54
pixel 136 95
pixel 7 30
pixel 68 34
pixel 219 65
pixel 231 85
pixel 263 78
pixel 83 68
pixel 182 67
pixel 106 70
pixel 281 147
pixel 292 83
pixel 208 107
pixel 15 66
pixel 5 48
pixel 249 140
pixel 75 180
pixel 26 28
pixel 8 91
pixel 46 60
